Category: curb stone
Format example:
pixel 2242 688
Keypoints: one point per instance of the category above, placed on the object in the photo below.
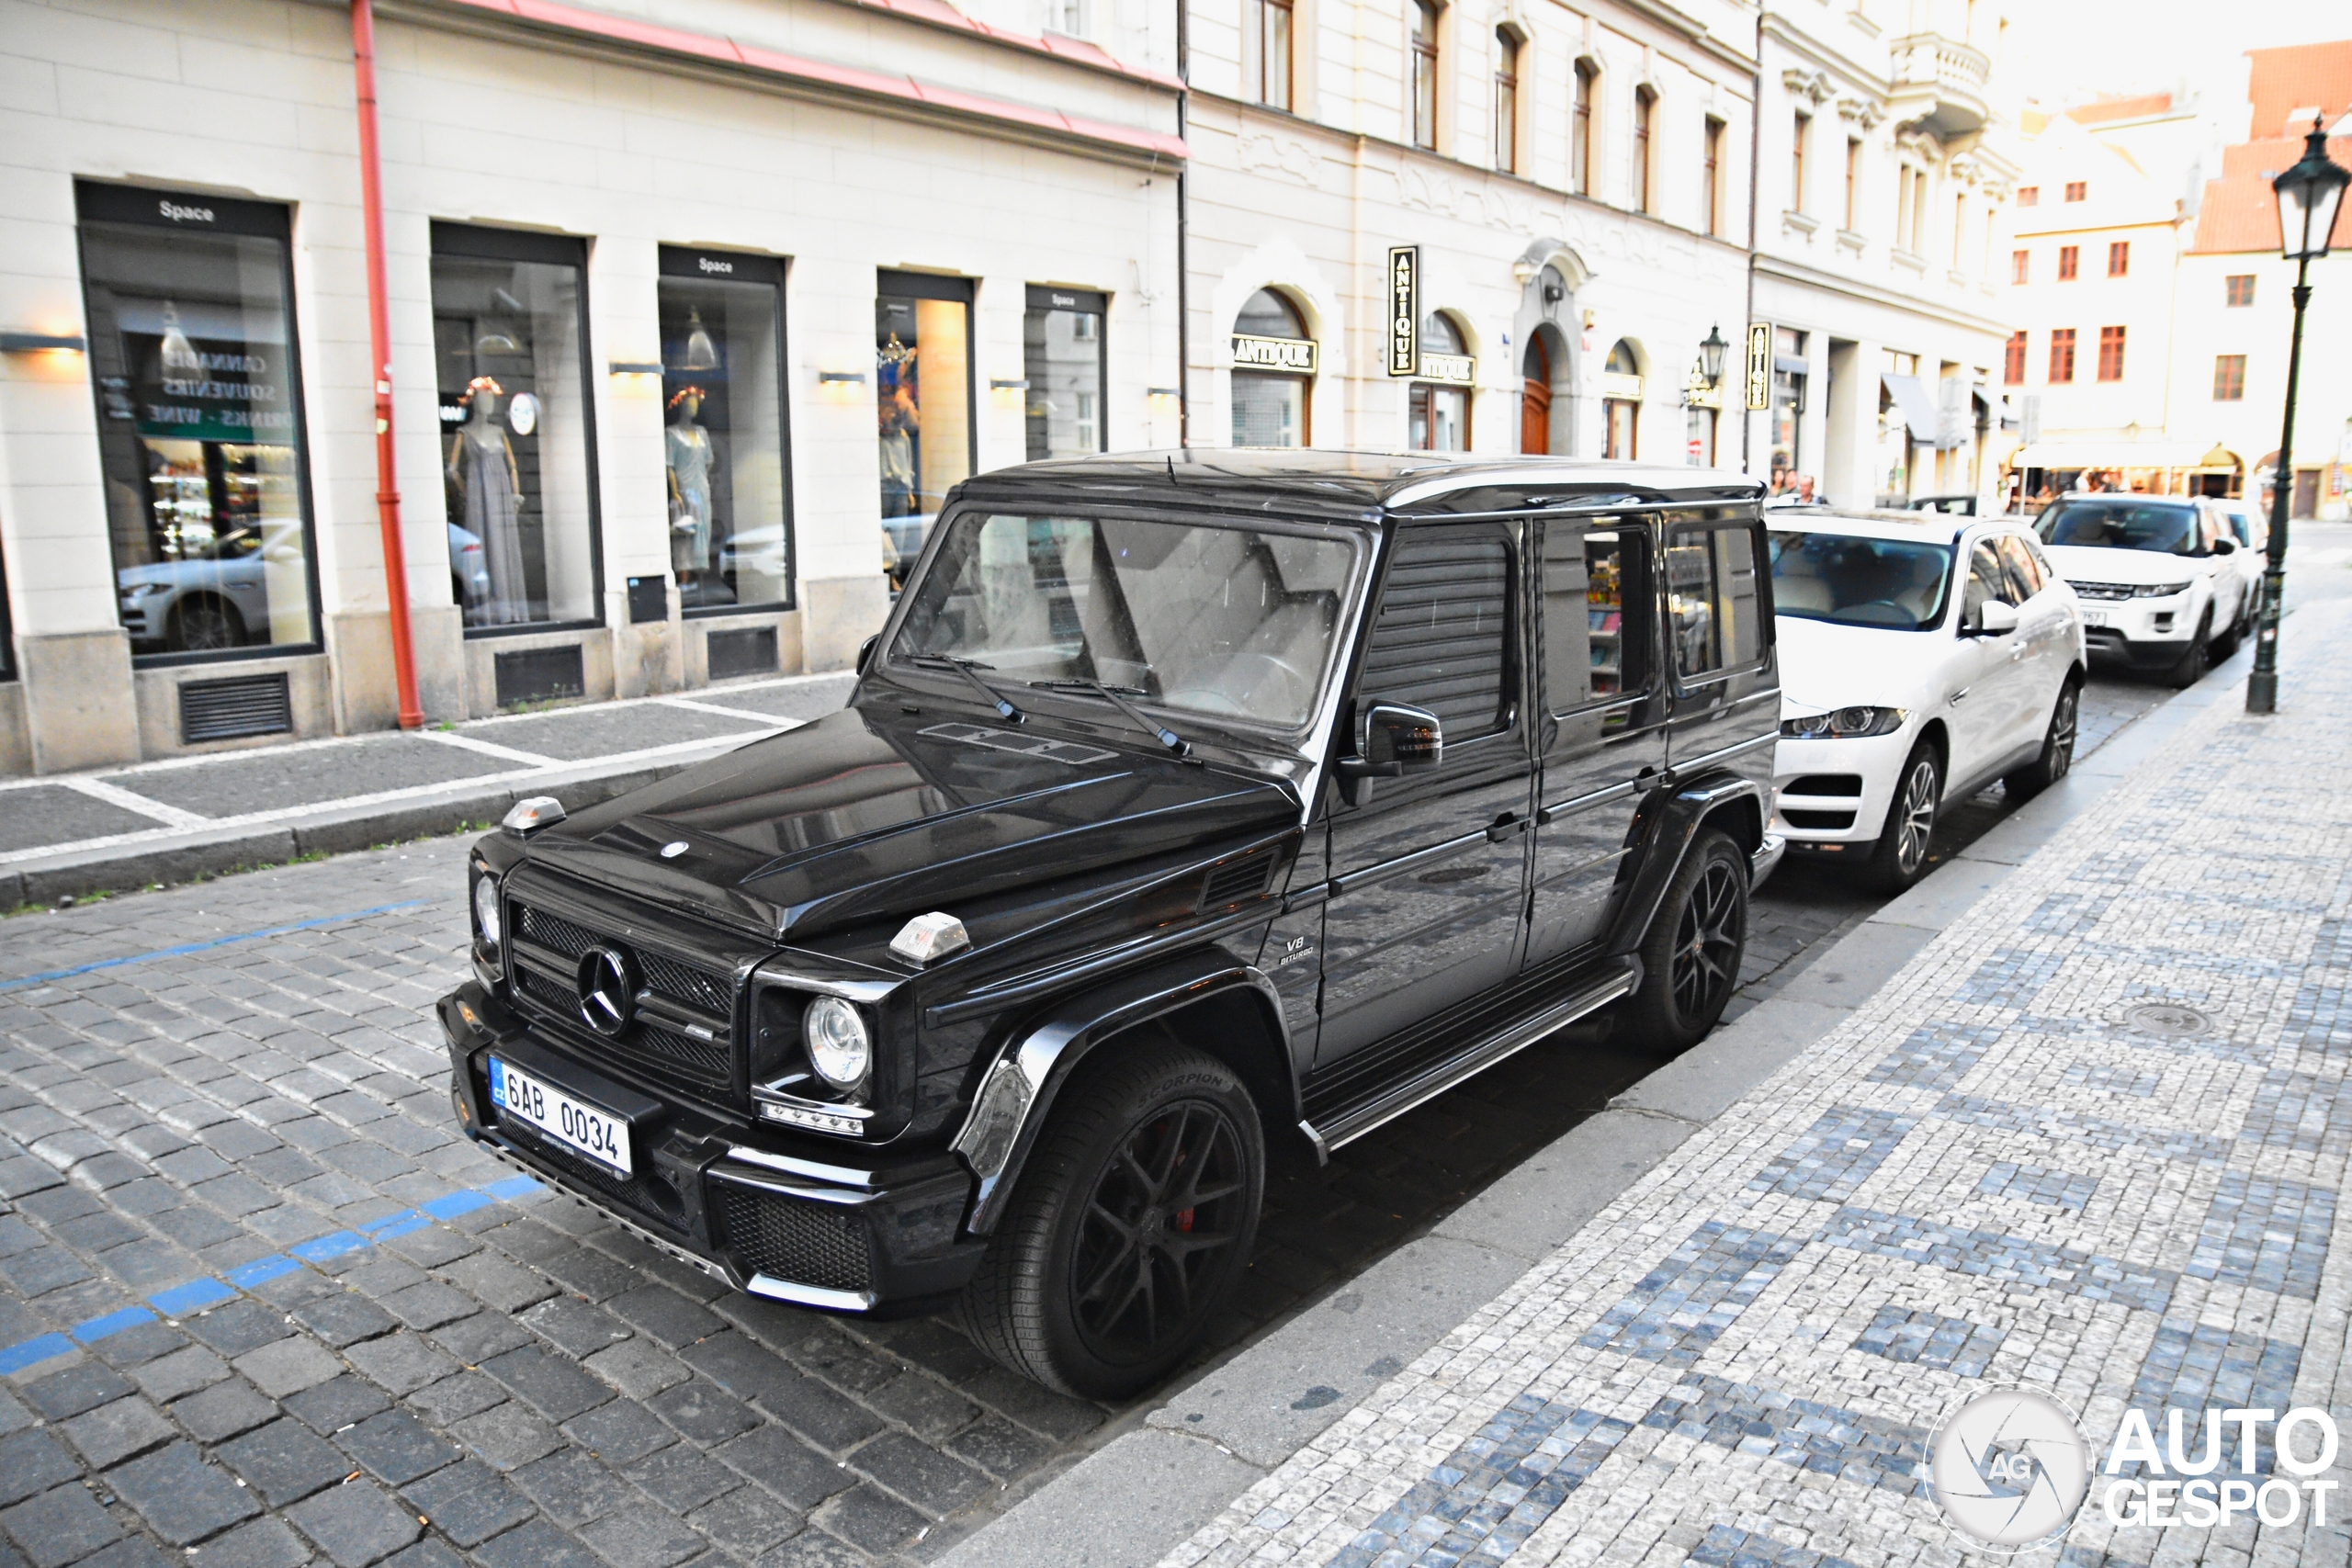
pixel 1243 1419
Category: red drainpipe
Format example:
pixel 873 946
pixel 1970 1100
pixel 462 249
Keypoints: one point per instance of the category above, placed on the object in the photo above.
pixel 380 338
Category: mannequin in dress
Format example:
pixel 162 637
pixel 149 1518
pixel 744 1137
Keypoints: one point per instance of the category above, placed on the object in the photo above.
pixel 689 456
pixel 482 469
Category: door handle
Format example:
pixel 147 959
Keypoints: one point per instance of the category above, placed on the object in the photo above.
pixel 1503 829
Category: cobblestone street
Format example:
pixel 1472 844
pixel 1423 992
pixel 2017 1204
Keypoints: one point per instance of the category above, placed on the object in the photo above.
pixel 231 1094
pixel 2090 1140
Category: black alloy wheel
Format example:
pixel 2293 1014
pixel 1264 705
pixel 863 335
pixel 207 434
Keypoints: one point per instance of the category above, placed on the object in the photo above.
pixel 1691 958
pixel 1162 1208
pixel 1130 1226
pixel 1901 856
pixel 204 626
pixel 2057 758
pixel 2197 658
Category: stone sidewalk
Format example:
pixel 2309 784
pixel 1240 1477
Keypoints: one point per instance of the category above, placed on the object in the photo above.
pixel 2091 1138
pixel 116 829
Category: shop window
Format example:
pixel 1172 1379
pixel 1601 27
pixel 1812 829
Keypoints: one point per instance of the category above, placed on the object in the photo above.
pixel 1644 117
pixel 1438 420
pixel 1425 73
pixel 193 355
pixel 510 326
pixel 1274 368
pixel 2013 360
pixel 1596 614
pixel 2119 258
pixel 2229 377
pixel 1065 362
pixel 1581 129
pixel 2062 355
pixel 1790 368
pixel 1710 608
pixel 1270 51
pixel 1506 100
pixel 724 452
pixel 2238 289
pixel 2110 353
pixel 923 391
pixel 1620 403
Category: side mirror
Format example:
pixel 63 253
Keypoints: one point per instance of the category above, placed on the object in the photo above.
pixel 1993 618
pixel 2225 546
pixel 1392 740
pixel 865 652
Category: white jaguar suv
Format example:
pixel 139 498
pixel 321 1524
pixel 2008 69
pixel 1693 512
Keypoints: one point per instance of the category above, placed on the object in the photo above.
pixel 1922 657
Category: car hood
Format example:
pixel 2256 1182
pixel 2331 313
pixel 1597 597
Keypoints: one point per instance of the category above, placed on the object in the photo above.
pixel 2098 563
pixel 1828 666
pixel 868 813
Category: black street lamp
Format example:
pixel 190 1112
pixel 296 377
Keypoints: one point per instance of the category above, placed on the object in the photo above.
pixel 2308 195
pixel 1711 356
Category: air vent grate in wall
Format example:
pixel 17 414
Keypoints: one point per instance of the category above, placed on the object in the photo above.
pixel 227 710
pixel 745 650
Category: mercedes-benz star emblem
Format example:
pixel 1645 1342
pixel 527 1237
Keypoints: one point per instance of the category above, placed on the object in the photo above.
pixel 608 990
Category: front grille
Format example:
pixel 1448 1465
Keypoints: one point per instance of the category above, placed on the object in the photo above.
pixel 1825 820
pixel 547 950
pixel 2100 589
pixel 807 1244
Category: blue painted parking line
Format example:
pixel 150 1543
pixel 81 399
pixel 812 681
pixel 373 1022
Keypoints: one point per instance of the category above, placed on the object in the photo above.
pixel 208 946
pixel 198 1295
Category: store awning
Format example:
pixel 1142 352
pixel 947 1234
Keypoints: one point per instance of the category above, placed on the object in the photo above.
pixel 1918 408
pixel 2112 454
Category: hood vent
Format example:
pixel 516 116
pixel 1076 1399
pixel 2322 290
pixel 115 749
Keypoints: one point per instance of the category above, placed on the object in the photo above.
pixel 1238 881
pixel 1068 751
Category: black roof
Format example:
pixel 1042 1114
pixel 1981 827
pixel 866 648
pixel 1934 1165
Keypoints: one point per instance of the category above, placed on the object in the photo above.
pixel 1360 484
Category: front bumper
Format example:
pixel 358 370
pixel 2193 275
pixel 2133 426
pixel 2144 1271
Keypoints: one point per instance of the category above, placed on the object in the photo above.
pixel 846 1230
pixel 1831 793
pixel 2147 634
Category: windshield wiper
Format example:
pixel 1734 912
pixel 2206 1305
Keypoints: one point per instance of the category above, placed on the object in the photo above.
pixel 965 667
pixel 1117 698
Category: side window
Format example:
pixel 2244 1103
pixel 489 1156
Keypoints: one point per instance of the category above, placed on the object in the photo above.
pixel 1711 605
pixel 1596 613
pixel 1987 579
pixel 2025 578
pixel 1442 639
pixel 2040 562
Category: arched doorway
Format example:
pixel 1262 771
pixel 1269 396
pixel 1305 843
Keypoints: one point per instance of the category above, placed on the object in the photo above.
pixel 1273 373
pixel 1535 399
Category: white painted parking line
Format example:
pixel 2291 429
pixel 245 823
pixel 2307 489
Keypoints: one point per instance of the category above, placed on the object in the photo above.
pixel 115 794
pixel 487 748
pixel 773 721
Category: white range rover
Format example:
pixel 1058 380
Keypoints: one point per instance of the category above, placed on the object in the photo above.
pixel 2158 589
pixel 1922 657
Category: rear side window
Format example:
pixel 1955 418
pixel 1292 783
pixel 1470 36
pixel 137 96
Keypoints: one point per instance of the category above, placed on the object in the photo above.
pixel 1711 605
pixel 1596 614
pixel 1443 638
pixel 1987 579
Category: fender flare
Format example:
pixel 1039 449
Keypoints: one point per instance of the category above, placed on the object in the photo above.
pixel 1019 1090
pixel 1692 807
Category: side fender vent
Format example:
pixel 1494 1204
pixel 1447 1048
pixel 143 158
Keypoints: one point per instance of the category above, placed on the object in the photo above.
pixel 1238 881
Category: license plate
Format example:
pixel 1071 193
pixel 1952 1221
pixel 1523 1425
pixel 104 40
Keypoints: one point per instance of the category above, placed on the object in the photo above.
pixel 595 1132
pixel 2094 617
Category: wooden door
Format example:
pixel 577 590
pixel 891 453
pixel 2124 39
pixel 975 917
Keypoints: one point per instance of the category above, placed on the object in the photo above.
pixel 1535 401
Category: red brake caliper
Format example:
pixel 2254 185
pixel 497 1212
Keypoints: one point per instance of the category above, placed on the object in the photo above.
pixel 1184 1219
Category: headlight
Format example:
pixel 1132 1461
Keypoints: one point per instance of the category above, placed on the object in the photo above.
pixel 2159 590
pixel 1844 723
pixel 838 1047
pixel 143 590
pixel 486 910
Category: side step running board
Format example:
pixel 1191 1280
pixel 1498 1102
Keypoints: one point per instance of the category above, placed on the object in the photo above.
pixel 1435 1080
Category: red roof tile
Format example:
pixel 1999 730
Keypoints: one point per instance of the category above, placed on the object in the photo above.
pixel 2240 211
pixel 2309 76
pixel 2104 109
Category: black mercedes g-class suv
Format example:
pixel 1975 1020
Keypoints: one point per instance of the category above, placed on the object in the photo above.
pixel 1185 801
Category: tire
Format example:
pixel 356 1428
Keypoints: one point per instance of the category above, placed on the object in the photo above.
pixel 2057 747
pixel 1900 858
pixel 203 625
pixel 1069 1292
pixel 2197 658
pixel 1690 957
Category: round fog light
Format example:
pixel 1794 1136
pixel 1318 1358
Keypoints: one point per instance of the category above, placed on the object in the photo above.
pixel 838 1047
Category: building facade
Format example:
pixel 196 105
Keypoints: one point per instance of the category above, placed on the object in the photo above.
pixel 692 321
pixel 1885 150
pixel 1484 225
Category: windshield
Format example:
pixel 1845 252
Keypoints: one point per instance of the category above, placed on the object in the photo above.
pixel 1899 584
pixel 2120 524
pixel 1197 617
